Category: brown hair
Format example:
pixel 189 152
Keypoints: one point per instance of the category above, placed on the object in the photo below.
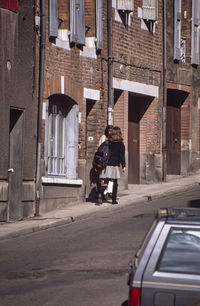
pixel 116 135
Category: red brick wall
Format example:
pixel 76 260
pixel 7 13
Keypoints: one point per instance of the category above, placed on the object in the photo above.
pixel 121 114
pixel 138 57
pixel 139 48
pixel 63 13
pixel 90 18
pixel 79 72
pixel 150 129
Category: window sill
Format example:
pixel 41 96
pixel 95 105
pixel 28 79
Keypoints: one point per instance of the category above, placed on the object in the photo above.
pixel 61 180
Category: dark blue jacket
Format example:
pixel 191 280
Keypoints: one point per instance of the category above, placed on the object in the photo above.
pixel 117 154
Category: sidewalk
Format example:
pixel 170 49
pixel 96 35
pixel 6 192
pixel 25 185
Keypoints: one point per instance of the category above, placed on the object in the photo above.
pixel 134 195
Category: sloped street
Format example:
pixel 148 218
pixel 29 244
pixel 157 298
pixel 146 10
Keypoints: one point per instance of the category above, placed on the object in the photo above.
pixel 83 262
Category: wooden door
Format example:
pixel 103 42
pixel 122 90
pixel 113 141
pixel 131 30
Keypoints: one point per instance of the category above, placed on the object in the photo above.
pixel 133 142
pixel 173 137
pixel 16 163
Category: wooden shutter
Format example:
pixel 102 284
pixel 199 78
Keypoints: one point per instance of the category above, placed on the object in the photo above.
pixel 125 5
pixel 77 21
pixel 11 5
pixel 195 32
pixel 80 11
pixel 71 145
pixel 177 30
pixel 73 30
pixel 99 24
pixel 53 18
pixel 149 10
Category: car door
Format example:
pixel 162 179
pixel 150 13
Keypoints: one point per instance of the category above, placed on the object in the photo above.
pixel 172 275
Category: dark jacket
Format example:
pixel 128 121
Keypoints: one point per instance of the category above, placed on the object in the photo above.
pixel 117 154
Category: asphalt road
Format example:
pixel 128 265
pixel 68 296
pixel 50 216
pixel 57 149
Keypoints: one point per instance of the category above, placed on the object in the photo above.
pixel 83 263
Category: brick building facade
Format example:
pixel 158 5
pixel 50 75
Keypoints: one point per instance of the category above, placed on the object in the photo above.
pixel 76 93
pixel 137 83
pixel 74 97
pixel 106 61
pixel 133 63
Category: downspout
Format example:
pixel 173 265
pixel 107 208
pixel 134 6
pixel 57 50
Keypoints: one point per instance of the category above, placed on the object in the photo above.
pixel 40 101
pixel 110 64
pixel 164 109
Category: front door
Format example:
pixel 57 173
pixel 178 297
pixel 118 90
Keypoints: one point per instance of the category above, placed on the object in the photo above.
pixel 16 163
pixel 173 134
pixel 133 141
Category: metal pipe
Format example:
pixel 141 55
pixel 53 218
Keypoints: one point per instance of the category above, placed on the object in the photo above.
pixel 110 64
pixel 40 101
pixel 164 109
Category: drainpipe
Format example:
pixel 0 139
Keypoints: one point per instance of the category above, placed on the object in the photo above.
pixel 110 63
pixel 40 101
pixel 164 157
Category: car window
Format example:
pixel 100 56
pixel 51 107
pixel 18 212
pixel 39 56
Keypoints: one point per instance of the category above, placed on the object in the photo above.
pixel 181 252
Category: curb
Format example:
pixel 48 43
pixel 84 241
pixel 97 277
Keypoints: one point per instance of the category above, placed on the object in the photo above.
pixel 46 224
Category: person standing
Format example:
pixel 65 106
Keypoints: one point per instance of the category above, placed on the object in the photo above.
pixel 102 183
pixel 116 158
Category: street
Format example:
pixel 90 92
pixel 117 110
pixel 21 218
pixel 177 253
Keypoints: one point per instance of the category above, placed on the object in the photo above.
pixel 83 263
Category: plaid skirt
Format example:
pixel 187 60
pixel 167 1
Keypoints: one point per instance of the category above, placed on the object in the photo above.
pixel 112 172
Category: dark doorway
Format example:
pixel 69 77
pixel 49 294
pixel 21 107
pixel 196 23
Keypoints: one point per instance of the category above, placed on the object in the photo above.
pixel 137 106
pixel 16 163
pixel 175 99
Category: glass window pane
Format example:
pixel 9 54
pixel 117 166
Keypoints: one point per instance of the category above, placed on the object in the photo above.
pixel 61 145
pixel 56 140
pixel 181 252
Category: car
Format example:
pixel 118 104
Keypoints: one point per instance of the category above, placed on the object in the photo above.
pixel 166 269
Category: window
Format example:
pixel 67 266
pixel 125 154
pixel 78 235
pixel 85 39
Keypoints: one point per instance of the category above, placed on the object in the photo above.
pixel 181 252
pixel 99 24
pixel 124 8
pixel 77 21
pixel 149 10
pixel 177 30
pixel 11 5
pixel 195 32
pixel 61 137
pixel 56 140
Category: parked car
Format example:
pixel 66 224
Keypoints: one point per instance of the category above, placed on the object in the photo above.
pixel 166 269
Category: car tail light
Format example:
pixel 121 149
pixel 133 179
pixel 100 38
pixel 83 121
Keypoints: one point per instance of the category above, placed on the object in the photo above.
pixel 134 297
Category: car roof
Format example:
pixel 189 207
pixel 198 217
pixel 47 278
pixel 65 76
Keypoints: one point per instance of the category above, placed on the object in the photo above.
pixel 180 215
